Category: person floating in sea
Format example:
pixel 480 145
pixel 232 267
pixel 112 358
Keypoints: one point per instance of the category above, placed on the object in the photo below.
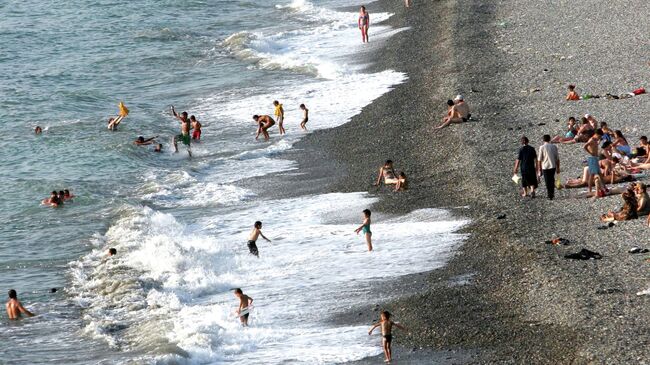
pixel 252 238
pixel 112 251
pixel 387 172
pixel 113 122
pixel 264 122
pixel 364 23
pixel 386 332
pixel 38 130
pixel 158 148
pixel 279 116
pixel 185 131
pixel 365 228
pixel 15 308
pixel 305 117
pixel 196 126
pixel 67 195
pixel 141 141
pixel 53 200
pixel 245 302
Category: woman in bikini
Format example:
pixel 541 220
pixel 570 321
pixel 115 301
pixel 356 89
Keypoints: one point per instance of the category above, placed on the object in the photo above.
pixel 620 143
pixel 570 133
pixel 364 24
pixel 387 172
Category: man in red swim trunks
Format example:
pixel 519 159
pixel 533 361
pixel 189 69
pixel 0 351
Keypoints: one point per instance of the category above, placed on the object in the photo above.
pixel 196 126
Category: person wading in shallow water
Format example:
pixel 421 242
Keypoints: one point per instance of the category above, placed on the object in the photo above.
pixel 15 308
pixel 185 131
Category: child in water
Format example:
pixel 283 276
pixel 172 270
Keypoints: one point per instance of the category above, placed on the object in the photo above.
pixel 252 238
pixel 386 332
pixel 245 302
pixel 365 228
pixel 305 117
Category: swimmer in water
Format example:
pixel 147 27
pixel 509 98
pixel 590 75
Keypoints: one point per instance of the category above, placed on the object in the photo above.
pixel 53 200
pixel 15 308
pixel 158 148
pixel 252 238
pixel 386 332
pixel 141 141
pixel 364 24
pixel 244 302
pixel 305 117
pixel 365 228
pixel 38 130
pixel 196 126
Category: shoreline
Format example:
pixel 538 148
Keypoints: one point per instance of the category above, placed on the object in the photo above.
pixel 522 303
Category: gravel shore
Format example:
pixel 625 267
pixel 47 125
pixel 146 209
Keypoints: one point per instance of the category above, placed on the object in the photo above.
pixel 506 296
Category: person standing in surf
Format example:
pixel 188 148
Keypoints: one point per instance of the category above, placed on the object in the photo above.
pixel 252 238
pixel 196 128
pixel 185 131
pixel 15 308
pixel 365 228
pixel 279 115
pixel 386 332
pixel 364 24
pixel 305 117
pixel 245 303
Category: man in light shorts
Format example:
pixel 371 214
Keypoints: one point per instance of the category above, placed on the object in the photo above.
pixel 591 147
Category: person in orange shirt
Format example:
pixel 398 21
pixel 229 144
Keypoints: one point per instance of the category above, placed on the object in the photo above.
pixel 572 95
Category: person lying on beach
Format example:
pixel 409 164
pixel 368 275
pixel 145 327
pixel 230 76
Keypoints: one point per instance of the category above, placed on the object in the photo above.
pixel 244 303
pixel 53 200
pixel 141 141
pixel 185 131
pixel 364 24
pixel 386 332
pixel 402 183
pixel 387 172
pixel 583 181
pixel 572 95
pixel 365 228
pixel 264 122
pixel 252 238
pixel 15 308
pixel 627 212
pixel 196 126
pixel 585 131
pixel 38 130
pixel 620 143
pixel 570 134
pixel 279 116
pixel 158 147
pixel 305 117
pixel 601 190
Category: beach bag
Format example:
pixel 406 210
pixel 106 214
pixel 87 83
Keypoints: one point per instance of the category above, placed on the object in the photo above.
pixel 516 178
pixel 123 110
pixel 558 182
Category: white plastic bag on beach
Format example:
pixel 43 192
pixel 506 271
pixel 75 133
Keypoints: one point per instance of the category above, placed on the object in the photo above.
pixel 516 178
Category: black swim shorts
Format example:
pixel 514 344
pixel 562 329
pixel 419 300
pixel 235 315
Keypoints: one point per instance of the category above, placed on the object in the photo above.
pixel 388 338
pixel 252 247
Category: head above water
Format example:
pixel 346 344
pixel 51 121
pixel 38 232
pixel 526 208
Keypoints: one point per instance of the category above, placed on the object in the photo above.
pixel 192 118
pixel 66 192
pixel 158 147
pixel 367 212
pixel 53 193
pixel 38 130
pixel 238 291
pixel 61 194
pixel 112 251
pixel 140 139
pixel 258 225
pixel 13 294
pixel 184 114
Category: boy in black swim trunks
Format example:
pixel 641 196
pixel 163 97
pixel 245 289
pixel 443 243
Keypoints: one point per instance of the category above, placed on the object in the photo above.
pixel 244 304
pixel 386 328
pixel 255 233
pixel 305 117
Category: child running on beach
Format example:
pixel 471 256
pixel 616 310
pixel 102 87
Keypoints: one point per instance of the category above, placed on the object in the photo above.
pixel 252 239
pixel 305 117
pixel 245 303
pixel 279 115
pixel 365 228
pixel 386 332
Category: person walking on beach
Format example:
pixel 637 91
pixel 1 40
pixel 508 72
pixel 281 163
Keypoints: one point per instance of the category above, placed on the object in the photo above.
pixel 305 117
pixel 15 308
pixel 365 228
pixel 387 333
pixel 549 164
pixel 245 304
pixel 364 23
pixel 264 122
pixel 527 163
pixel 185 131
pixel 196 128
pixel 279 116
pixel 591 147
pixel 252 238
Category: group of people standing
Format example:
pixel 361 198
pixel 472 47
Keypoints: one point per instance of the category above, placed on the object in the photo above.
pixel 264 122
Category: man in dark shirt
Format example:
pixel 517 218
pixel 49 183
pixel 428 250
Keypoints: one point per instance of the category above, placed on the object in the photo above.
pixel 527 163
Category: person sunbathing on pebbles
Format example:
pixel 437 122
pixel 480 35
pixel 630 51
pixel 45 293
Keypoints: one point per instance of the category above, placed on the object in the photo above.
pixel 458 112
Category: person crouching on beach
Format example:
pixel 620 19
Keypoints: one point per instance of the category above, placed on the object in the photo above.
pixel 364 24
pixel 572 95
pixel 264 122
pixel 527 163
pixel 386 332
pixel 365 228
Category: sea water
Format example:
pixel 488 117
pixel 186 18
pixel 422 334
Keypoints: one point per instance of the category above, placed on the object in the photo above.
pixel 180 225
